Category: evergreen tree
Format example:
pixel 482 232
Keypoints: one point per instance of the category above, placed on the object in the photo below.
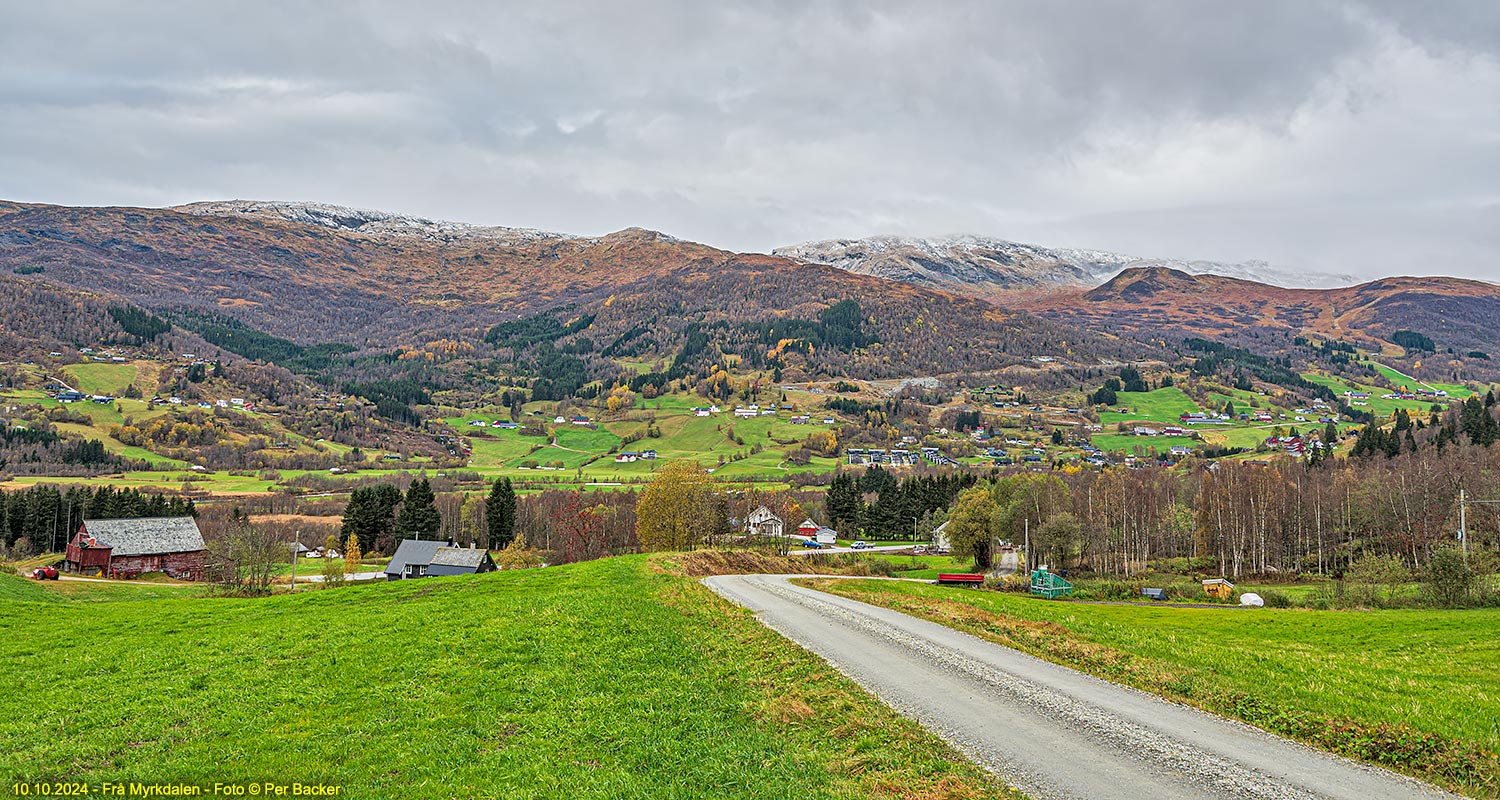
pixel 500 513
pixel 419 515
pixel 845 501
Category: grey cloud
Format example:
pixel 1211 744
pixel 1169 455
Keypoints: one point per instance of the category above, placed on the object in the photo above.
pixel 1339 136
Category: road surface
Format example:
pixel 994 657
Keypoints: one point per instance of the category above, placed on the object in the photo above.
pixel 1050 731
pixel 799 550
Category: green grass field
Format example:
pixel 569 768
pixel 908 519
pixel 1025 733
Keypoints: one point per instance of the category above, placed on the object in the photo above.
pixel 1377 405
pixel 1159 405
pixel 599 680
pixel 1433 671
pixel 94 378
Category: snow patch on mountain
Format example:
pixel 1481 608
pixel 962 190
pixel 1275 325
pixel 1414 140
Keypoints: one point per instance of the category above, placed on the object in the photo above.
pixel 365 221
pixel 968 260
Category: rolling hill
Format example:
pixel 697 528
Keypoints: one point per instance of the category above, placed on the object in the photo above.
pixel 1456 314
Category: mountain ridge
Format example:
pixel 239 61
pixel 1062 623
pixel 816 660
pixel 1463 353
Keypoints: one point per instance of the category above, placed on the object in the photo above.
pixel 985 264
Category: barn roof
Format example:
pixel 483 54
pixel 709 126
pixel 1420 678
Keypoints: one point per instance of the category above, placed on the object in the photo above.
pixel 413 551
pixel 140 536
pixel 459 557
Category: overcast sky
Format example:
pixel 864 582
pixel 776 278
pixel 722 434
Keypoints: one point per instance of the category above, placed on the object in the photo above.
pixel 1351 137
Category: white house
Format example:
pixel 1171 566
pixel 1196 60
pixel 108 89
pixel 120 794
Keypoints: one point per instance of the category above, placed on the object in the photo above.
pixel 762 522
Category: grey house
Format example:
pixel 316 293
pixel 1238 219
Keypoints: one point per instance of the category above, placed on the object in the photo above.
pixel 416 558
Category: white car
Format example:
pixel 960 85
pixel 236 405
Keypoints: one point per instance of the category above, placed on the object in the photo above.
pixel 859 545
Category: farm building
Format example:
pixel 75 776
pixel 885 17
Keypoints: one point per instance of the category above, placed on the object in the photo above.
pixel 416 558
pixel 129 547
pixel 1218 588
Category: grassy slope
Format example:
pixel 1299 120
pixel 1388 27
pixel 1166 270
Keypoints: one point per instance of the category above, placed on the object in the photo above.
pixel 605 679
pixel 95 378
pixel 1431 670
pixel 1164 405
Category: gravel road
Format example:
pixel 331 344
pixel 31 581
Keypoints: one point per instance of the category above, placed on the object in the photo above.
pixel 1051 731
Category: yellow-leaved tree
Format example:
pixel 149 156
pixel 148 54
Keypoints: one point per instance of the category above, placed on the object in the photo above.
pixel 677 509
pixel 352 555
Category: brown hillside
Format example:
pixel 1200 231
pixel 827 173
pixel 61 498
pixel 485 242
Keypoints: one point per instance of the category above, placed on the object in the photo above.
pixel 313 283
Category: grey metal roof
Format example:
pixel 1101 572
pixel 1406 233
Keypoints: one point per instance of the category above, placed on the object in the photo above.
pixel 147 535
pixel 459 557
pixel 413 551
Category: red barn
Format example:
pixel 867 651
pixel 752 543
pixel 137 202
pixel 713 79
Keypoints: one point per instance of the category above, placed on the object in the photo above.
pixel 129 547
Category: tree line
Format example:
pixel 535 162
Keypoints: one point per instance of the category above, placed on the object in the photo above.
pixel 44 518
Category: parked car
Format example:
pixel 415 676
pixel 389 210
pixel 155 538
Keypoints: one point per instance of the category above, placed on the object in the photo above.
pixel 859 545
pixel 45 573
pixel 812 544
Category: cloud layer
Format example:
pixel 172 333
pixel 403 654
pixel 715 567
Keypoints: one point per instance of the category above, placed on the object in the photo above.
pixel 1357 137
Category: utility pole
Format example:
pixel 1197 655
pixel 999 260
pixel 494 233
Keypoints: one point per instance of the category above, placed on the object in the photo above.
pixel 297 545
pixel 1463 520
pixel 914 521
pixel 1027 526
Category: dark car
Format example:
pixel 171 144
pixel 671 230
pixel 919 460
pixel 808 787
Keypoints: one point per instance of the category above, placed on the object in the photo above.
pixel 45 573
pixel 812 544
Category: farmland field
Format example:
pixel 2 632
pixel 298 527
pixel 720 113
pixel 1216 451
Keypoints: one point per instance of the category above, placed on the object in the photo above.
pixel 110 379
pixel 1431 670
pixel 606 679
pixel 1159 405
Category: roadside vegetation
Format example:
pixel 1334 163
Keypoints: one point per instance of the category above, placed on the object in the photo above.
pixel 1412 690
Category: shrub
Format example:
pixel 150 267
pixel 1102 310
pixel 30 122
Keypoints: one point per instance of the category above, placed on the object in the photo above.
pixel 1276 599
pixel 1448 581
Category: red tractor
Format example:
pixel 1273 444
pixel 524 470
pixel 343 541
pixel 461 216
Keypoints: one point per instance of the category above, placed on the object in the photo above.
pixel 45 573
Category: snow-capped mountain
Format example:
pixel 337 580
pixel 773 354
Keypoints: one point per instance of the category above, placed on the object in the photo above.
pixel 374 223
pixel 984 263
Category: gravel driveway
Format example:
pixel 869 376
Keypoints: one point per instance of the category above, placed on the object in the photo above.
pixel 1051 731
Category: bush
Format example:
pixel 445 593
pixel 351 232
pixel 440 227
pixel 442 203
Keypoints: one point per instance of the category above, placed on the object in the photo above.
pixel 1448 581
pixel 1276 599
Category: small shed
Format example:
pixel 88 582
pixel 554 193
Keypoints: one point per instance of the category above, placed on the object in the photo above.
pixel 1218 588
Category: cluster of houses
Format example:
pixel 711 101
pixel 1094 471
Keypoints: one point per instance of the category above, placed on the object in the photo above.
pixel 1293 445
pixel 106 356
pixel 73 396
pixel 630 457
pixel 858 456
pixel 232 402
pixel 764 522
pixel 503 424
pixel 934 456
pixel 1204 418
pixel 1420 394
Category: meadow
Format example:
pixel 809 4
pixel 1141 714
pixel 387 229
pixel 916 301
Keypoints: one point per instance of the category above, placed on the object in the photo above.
pixel 605 679
pixel 1415 690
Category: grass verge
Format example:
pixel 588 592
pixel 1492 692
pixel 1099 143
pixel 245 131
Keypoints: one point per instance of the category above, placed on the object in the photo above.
pixel 1415 691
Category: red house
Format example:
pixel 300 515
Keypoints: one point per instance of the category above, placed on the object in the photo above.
pixel 129 547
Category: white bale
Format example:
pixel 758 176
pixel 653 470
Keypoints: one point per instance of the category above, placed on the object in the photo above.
pixel 1251 599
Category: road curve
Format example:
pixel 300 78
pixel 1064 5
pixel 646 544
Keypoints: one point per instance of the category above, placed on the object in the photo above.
pixel 1052 732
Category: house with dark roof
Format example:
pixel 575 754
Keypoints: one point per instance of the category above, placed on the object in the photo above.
pixel 418 558
pixel 129 547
